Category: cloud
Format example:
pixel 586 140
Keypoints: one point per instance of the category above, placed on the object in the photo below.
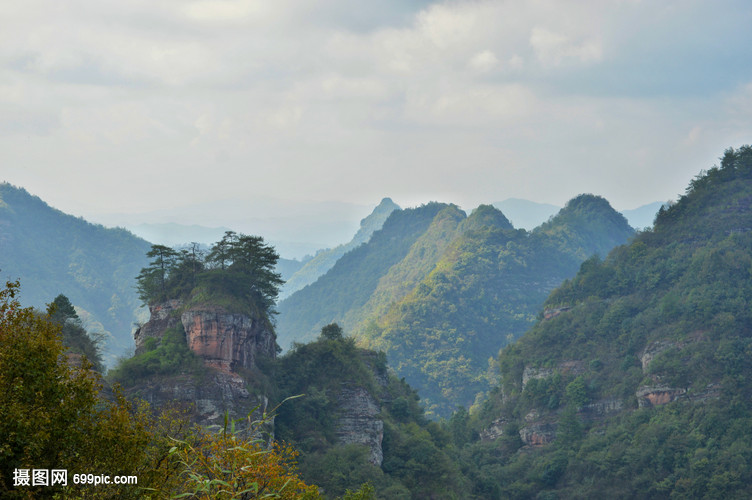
pixel 484 61
pixel 555 49
pixel 340 99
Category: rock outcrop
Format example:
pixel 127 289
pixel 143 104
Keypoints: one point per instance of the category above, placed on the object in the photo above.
pixel 227 341
pixel 206 400
pixel 358 422
pixel 538 433
pixel 648 396
pixel 163 316
pixel 493 431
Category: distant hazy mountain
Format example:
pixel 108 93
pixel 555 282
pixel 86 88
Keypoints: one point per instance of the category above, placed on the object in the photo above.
pixel 441 292
pixel 526 214
pixel 173 234
pixel 288 267
pixel 53 253
pixel 642 217
pixel 529 214
pixel 295 228
pixel 325 259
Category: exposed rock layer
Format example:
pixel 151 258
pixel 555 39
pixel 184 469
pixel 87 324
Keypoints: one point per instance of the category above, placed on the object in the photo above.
pixel 163 316
pixel 359 423
pixel 227 341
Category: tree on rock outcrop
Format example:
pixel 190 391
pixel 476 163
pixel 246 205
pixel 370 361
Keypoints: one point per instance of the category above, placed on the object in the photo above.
pixel 239 266
pixel 151 282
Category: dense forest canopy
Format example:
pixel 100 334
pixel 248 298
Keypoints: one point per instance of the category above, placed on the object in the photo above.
pixel 639 372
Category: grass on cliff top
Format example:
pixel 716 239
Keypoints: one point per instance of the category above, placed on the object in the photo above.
pixel 204 295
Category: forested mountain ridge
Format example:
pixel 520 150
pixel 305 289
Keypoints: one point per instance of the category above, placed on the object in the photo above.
pixel 453 290
pixel 52 253
pixel 635 381
pixel 358 422
pixel 350 282
pixel 483 293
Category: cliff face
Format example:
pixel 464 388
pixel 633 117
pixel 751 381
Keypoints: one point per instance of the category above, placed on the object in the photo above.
pixel 206 400
pixel 226 342
pixel 163 316
pixel 358 422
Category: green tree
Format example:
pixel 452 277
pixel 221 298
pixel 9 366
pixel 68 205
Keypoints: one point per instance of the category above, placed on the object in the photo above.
pixel 51 416
pixel 151 283
pixel 75 337
pixel 332 331
pixel 254 262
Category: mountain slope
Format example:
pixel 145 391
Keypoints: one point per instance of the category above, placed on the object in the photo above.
pixel 54 253
pixel 325 259
pixel 441 292
pixel 402 277
pixel 636 381
pixel 484 292
pixel 351 281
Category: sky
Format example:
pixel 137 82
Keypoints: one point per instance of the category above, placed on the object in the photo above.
pixel 175 107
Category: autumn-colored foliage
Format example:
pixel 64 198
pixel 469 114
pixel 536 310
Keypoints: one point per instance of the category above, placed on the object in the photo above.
pixel 229 466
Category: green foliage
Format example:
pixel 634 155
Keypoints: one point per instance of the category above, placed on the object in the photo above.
pixel 671 309
pixel 483 292
pixel 51 416
pixel 172 356
pixel 332 332
pixel 75 337
pixel 238 271
pixel 416 461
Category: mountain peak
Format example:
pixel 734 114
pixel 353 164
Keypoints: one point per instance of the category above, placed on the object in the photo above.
pixel 488 216
pixel 589 224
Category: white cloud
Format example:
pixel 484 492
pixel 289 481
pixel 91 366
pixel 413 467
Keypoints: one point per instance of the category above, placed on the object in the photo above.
pixel 234 11
pixel 350 97
pixel 484 61
pixel 555 49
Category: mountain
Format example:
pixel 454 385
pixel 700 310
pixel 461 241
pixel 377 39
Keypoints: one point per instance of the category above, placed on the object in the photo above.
pixel 209 348
pixel 634 383
pixel 295 227
pixel 53 253
pixel 358 422
pixel 642 217
pixel 485 291
pixel 350 282
pixel 173 234
pixel 439 291
pixel 529 214
pixel 526 214
pixel 325 259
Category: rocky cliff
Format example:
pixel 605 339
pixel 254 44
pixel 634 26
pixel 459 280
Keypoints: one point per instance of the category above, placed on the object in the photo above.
pixel 227 341
pixel 359 423
pixel 230 346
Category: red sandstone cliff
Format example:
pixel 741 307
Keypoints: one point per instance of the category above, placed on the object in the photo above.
pixel 226 342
